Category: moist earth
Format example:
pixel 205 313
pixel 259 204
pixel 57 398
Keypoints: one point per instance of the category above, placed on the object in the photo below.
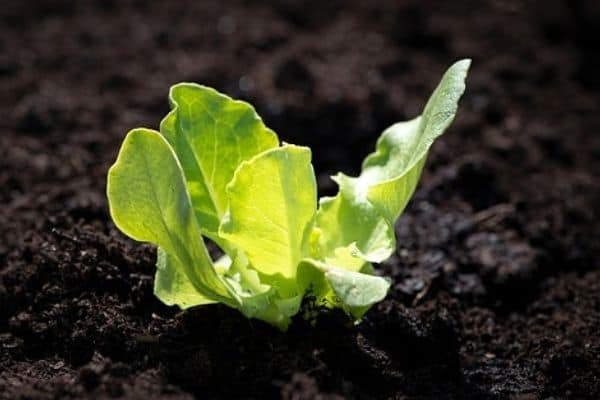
pixel 496 288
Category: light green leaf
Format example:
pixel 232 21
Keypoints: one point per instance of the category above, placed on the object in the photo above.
pixel 211 135
pixel 363 213
pixel 172 286
pixel 390 175
pixel 272 203
pixel 350 227
pixel 244 279
pixel 259 300
pixel 354 291
pixel 311 280
pixel 288 307
pixel 148 201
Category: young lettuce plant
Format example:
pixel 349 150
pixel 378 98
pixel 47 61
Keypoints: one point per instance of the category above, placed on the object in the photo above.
pixel 216 171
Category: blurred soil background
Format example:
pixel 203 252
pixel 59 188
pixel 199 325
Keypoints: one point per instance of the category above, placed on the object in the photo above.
pixel 496 289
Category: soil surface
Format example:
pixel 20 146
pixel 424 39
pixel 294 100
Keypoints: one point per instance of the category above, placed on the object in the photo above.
pixel 496 279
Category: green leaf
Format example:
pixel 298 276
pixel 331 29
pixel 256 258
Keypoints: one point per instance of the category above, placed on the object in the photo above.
pixel 363 213
pixel 148 202
pixel 350 230
pixel 212 135
pixel 259 300
pixel 354 291
pixel 244 279
pixel 172 286
pixel 272 203
pixel 390 175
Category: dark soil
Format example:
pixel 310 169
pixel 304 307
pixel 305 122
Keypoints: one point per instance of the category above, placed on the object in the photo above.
pixel 497 281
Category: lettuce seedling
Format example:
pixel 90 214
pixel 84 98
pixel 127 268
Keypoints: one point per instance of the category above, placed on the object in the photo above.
pixel 216 171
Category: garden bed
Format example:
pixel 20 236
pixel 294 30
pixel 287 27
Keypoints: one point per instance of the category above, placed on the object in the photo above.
pixel 496 288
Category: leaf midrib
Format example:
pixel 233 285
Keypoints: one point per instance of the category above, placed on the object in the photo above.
pixel 294 250
pixel 208 185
